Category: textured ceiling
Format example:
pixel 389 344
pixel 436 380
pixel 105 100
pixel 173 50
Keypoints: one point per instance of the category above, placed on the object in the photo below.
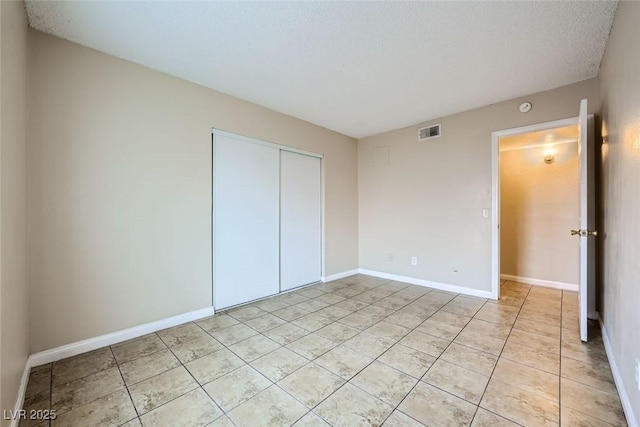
pixel 359 68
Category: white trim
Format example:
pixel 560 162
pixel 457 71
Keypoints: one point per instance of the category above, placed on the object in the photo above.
pixel 213 219
pixel 22 390
pixel 541 282
pixel 539 144
pixel 632 421
pixel 323 245
pixel 427 283
pixel 68 350
pixel 339 275
pixel 495 216
pixel 537 127
pixel 280 224
pixel 244 138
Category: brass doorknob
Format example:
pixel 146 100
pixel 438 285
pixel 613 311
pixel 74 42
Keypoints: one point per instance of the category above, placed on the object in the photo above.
pixel 584 233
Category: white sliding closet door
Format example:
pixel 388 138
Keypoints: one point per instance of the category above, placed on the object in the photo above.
pixel 300 220
pixel 246 221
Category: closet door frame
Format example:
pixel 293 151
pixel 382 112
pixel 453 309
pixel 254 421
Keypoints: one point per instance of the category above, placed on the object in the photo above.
pixel 280 147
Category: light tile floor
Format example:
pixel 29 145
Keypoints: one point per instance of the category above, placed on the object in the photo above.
pixel 354 352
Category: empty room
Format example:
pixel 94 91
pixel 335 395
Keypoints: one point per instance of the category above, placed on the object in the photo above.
pixel 319 213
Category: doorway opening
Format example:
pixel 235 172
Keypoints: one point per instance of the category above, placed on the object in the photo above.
pixel 539 204
pixel 585 230
pixel 537 130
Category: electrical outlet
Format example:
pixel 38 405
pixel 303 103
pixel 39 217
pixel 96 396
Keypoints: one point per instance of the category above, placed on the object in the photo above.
pixel 414 260
pixel 638 374
pixel 390 257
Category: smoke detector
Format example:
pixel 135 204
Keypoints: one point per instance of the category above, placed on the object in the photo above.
pixel 525 107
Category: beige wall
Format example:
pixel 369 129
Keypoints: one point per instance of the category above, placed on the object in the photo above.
pixel 538 206
pixel 14 325
pixel 120 176
pixel 427 202
pixel 620 293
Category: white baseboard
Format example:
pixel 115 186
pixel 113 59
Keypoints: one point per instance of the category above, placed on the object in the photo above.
pixel 632 421
pixel 540 282
pixel 57 353
pixel 22 390
pixel 339 275
pixel 436 285
pixel 68 350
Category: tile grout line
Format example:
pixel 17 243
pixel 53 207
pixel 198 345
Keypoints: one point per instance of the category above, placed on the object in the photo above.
pixel 464 345
pixel 499 356
pixel 311 410
pixel 233 370
pixel 368 364
pixel 617 396
pixel 125 386
pixel 308 361
pixel 80 378
pixel 436 359
pixel 309 333
pixel 576 380
pixel 200 386
pixel 373 360
pixel 50 389
pixel 166 348
pixel 321 367
pixel 414 329
pixel 181 364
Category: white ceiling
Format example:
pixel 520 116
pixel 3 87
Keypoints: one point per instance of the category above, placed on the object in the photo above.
pixel 359 68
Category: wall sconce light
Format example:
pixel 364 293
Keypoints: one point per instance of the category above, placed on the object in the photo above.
pixel 549 157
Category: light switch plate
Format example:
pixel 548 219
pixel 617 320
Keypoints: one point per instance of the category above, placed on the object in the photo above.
pixel 485 213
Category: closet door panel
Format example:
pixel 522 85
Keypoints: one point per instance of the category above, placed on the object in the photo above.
pixel 246 221
pixel 300 220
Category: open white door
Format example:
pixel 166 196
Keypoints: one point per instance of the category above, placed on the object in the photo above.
pixel 586 233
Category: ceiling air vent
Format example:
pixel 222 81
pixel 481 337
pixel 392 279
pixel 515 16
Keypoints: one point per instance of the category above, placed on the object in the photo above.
pixel 428 132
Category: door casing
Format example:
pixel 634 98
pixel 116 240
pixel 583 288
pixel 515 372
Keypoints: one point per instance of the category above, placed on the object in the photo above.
pixel 495 194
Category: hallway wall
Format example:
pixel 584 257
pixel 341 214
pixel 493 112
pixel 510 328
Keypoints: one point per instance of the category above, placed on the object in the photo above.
pixel 538 206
